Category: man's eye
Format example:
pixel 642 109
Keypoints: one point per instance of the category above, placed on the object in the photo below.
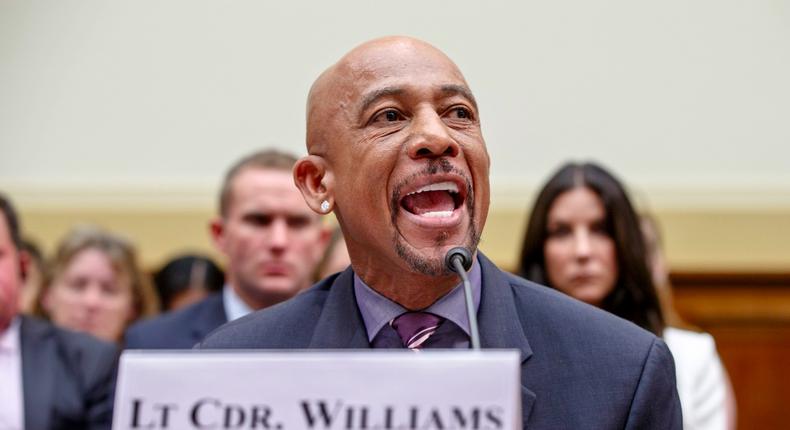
pixel 461 113
pixel 298 222
pixel 389 115
pixel 259 220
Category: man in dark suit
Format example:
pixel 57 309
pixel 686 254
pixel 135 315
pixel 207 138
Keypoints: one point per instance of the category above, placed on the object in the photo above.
pixel 397 152
pixel 51 378
pixel 272 241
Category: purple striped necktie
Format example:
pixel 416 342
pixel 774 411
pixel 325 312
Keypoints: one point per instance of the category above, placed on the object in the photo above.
pixel 414 328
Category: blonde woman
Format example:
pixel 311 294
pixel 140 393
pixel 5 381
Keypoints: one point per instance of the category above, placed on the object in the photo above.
pixel 94 285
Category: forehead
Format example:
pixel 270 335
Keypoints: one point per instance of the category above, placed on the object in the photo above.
pixel 400 66
pixel 577 203
pixel 269 190
pixel 92 259
pixel 91 255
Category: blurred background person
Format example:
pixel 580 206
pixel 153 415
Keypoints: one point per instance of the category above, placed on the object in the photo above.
pixel 695 352
pixel 187 279
pixel 50 378
pixel 335 258
pixel 34 276
pixel 659 270
pixel 95 285
pixel 272 242
pixel 584 239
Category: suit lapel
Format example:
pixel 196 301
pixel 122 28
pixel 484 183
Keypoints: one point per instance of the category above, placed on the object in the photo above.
pixel 499 322
pixel 38 371
pixel 208 318
pixel 340 324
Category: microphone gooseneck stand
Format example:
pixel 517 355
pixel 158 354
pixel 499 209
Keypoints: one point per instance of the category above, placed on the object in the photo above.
pixel 459 260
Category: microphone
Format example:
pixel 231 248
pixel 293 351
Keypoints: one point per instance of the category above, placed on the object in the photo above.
pixel 459 260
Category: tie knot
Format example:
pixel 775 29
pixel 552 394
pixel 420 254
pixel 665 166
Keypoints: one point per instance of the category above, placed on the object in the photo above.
pixel 414 328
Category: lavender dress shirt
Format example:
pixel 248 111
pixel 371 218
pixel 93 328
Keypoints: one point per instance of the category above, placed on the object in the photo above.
pixel 377 311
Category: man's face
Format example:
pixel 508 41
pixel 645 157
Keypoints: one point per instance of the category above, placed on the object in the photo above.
pixel 408 156
pixel 10 275
pixel 271 238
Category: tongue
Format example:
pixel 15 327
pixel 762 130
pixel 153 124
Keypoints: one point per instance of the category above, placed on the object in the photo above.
pixel 428 201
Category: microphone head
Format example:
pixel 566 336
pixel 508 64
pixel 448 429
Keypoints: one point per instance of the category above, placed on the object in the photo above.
pixel 458 252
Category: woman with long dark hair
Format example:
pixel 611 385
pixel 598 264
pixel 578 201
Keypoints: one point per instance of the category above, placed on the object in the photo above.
pixel 608 269
pixel 584 238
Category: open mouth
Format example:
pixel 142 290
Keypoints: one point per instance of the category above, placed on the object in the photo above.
pixel 435 200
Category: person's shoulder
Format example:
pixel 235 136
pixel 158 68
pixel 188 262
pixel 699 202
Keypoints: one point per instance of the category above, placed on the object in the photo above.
pixel 75 347
pixel 99 357
pixel 691 349
pixel 84 369
pixel 285 325
pixel 608 357
pixel 545 310
pixel 702 380
pixel 177 317
pixel 681 338
pixel 162 329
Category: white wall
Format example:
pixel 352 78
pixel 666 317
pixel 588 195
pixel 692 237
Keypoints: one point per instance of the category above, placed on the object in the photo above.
pixel 147 102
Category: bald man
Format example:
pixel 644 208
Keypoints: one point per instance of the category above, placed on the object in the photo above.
pixel 396 151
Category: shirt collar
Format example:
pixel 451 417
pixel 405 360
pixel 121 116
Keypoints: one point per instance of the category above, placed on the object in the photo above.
pixel 9 339
pixel 235 307
pixel 378 310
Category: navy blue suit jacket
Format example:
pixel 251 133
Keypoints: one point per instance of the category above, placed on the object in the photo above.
pixel 68 378
pixel 180 329
pixel 582 368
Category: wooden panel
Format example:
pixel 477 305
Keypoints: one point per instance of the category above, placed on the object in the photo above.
pixel 749 316
pixel 757 359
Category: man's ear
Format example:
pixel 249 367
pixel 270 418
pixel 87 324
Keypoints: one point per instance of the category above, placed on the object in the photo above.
pixel 217 229
pixel 316 181
pixel 24 264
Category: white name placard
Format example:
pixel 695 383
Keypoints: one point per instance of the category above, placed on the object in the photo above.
pixel 365 390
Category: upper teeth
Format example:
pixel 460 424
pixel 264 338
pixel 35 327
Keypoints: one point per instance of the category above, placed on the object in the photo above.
pixel 441 186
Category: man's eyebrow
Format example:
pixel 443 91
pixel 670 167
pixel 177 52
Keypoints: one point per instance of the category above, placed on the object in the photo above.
pixel 375 95
pixel 446 90
pixel 453 89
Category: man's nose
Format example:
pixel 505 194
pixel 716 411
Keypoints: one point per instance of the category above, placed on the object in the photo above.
pixel 278 234
pixel 430 137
